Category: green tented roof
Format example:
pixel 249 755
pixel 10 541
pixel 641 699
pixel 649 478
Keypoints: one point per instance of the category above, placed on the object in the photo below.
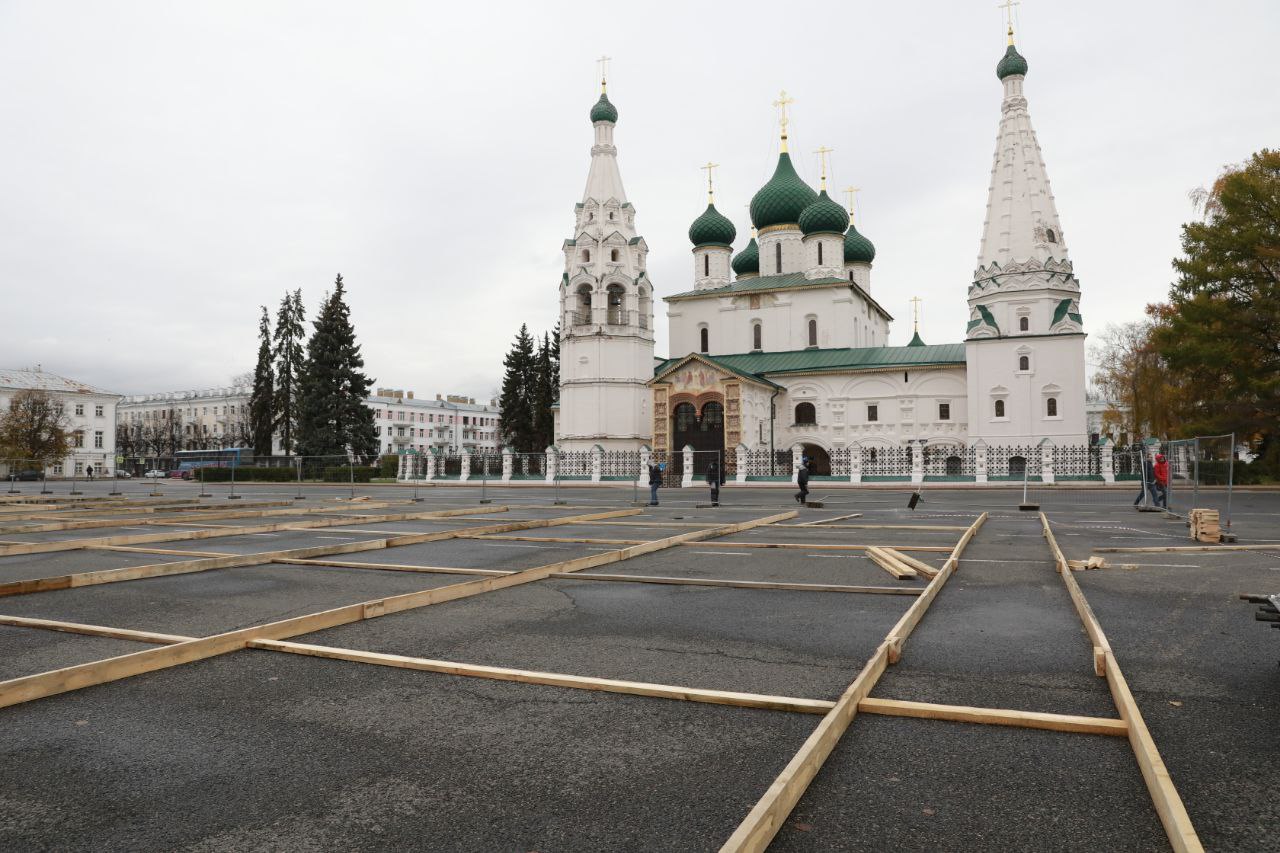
pixel 765 283
pixel 1064 310
pixel 916 340
pixel 759 365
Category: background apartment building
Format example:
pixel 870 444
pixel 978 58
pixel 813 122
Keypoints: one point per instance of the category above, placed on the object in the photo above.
pixel 447 424
pixel 91 412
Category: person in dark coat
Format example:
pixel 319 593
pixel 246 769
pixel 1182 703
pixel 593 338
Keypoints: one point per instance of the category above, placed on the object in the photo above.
pixel 715 478
pixel 655 480
pixel 1148 481
pixel 802 480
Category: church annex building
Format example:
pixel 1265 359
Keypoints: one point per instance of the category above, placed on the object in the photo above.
pixel 782 346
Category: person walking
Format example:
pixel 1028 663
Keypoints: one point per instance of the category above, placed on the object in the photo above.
pixel 89 471
pixel 802 480
pixel 655 480
pixel 1161 472
pixel 1148 479
pixel 715 479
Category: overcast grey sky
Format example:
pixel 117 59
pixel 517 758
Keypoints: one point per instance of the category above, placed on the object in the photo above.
pixel 166 168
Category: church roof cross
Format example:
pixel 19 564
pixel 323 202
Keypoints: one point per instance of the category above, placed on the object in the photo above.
pixel 915 311
pixel 603 62
pixel 782 103
pixel 709 168
pixel 852 194
pixel 1007 6
pixel 822 153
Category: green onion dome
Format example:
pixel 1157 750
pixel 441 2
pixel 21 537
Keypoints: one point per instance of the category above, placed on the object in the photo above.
pixel 781 201
pixel 1011 63
pixel 604 110
pixel 857 249
pixel 747 261
pixel 824 216
pixel 712 228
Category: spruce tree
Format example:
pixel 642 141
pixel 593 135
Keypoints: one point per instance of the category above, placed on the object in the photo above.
pixel 332 417
pixel 518 429
pixel 544 394
pixel 289 358
pixel 262 417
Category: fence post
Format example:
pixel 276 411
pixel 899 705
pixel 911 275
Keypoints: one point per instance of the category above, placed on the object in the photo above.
pixel 464 472
pixel 1046 461
pixel 797 458
pixel 646 456
pixel 233 496
pixel 551 453
pixel 980 461
pixel 1106 461
pixel 855 463
pixel 687 480
pixel 741 453
pixel 917 462
pixel 508 464
pixel 429 471
pixel 402 467
pixel 203 492
pixel 597 463
pixel 74 490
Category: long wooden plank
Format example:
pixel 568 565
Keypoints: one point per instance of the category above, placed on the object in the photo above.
pixel 894 567
pixel 995 716
pixel 1164 795
pixel 912 563
pixel 27 688
pixel 94 630
pixel 1165 548
pixel 138 549
pixel 554 679
pixel 827 520
pixel 770 812
pixel 800 546
pixel 919 528
pixel 391 567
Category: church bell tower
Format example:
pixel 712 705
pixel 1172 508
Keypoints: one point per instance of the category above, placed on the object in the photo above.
pixel 606 309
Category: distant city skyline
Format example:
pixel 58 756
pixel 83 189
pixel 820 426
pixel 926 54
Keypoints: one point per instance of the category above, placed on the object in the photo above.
pixel 175 167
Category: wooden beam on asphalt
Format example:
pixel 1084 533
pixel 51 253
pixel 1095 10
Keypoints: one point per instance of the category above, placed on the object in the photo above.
pixel 921 528
pixel 1166 548
pixel 27 688
pixel 554 679
pixel 136 549
pixel 826 520
pixel 769 814
pixel 890 564
pixel 1164 795
pixel 393 567
pixel 800 546
pixel 94 630
pixel 911 562
pixel 995 717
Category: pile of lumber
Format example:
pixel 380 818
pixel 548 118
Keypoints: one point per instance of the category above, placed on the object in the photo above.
pixel 1094 562
pixel 899 564
pixel 1268 608
pixel 1204 525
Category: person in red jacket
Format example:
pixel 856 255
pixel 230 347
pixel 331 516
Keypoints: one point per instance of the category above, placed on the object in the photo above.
pixel 1161 470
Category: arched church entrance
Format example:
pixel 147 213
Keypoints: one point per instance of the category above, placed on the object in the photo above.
pixel 703 430
pixel 819 460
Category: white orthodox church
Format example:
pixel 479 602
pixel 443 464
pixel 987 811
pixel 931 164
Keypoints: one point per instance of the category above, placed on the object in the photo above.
pixel 784 344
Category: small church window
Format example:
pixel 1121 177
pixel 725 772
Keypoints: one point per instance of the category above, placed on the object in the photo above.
pixel 757 336
pixel 819 254
pixel 999 408
pixel 813 332
pixel 850 275
pixel 617 316
pixel 1050 236
pixel 873 414
pixel 611 217
pixel 805 414
pixel 777 257
pixel 944 411
pixel 1024 362
pixel 613 255
pixel 1051 407
pixel 586 255
pixel 705 339
pixel 1023 324
pixel 706 265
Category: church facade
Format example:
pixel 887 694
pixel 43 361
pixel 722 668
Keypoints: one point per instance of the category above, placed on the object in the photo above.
pixel 784 345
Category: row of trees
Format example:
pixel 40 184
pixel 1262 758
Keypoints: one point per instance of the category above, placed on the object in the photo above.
pixel 313 399
pixel 1207 360
pixel 530 390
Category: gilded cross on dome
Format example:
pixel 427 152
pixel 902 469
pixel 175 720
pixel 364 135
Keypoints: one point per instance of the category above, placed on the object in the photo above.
pixel 782 103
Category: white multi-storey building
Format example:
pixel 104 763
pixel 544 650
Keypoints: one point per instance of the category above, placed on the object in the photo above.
pixel 447 424
pixel 91 412
pixel 156 424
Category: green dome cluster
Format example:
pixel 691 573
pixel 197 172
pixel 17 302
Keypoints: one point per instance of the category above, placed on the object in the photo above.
pixel 783 199
pixel 747 261
pixel 857 249
pixel 712 228
pixel 604 110
pixel 824 216
pixel 1011 63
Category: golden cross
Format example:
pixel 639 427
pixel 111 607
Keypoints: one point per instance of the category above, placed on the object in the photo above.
pixel 603 62
pixel 822 158
pixel 852 194
pixel 782 103
pixel 1008 5
pixel 915 310
pixel 708 169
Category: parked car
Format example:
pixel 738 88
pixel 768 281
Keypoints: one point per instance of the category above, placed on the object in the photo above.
pixel 178 474
pixel 28 475
pixel 123 475
pixel 154 474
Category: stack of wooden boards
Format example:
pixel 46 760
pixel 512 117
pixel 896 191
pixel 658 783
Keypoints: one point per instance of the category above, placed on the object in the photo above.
pixel 899 564
pixel 1204 525
pixel 1094 562
pixel 1268 608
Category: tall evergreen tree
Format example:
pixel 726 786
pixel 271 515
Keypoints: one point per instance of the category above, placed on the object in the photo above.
pixel 518 428
pixel 288 367
pixel 332 417
pixel 262 407
pixel 544 393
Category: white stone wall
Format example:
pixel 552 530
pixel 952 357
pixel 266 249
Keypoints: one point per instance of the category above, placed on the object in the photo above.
pixel 711 267
pixel 1055 369
pixel 793 253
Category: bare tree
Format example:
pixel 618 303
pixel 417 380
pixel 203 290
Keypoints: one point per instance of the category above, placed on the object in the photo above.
pixel 35 427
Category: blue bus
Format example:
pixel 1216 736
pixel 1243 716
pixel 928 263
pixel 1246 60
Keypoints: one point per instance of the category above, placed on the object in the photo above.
pixel 229 457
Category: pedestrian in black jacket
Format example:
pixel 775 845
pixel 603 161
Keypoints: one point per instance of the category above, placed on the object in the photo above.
pixel 715 479
pixel 655 480
pixel 802 480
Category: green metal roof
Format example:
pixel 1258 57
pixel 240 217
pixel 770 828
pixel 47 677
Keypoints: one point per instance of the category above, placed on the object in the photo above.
pixel 1011 63
pixel 857 248
pixel 1064 310
pixel 984 318
pixel 765 283
pixel 712 228
pixel 761 364
pixel 780 201
pixel 604 110
pixel 916 340
pixel 824 216
pixel 748 260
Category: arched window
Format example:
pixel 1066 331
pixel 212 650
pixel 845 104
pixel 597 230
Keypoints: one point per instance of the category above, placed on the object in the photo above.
pixel 1017 466
pixel 1050 236
pixel 955 466
pixel 819 254
pixel 1051 407
pixel 999 408
pixel 611 214
pixel 586 256
pixel 1023 324
pixel 777 257
pixel 646 307
pixel 1024 362
pixel 704 339
pixel 757 336
pixel 686 417
pixel 712 419
pixel 850 275
pixel 706 265
pixel 813 332
pixel 582 315
pixel 617 316
pixel 805 414
pixel 613 253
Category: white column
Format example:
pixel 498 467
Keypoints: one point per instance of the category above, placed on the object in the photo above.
pixel 597 463
pixel 552 455
pixel 402 469
pixel 740 458
pixel 646 456
pixel 431 466
pixel 1046 461
pixel 980 462
pixel 917 462
pixel 797 456
pixel 855 463
pixel 1107 461
pixel 687 480
pixel 465 473
pixel 508 464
